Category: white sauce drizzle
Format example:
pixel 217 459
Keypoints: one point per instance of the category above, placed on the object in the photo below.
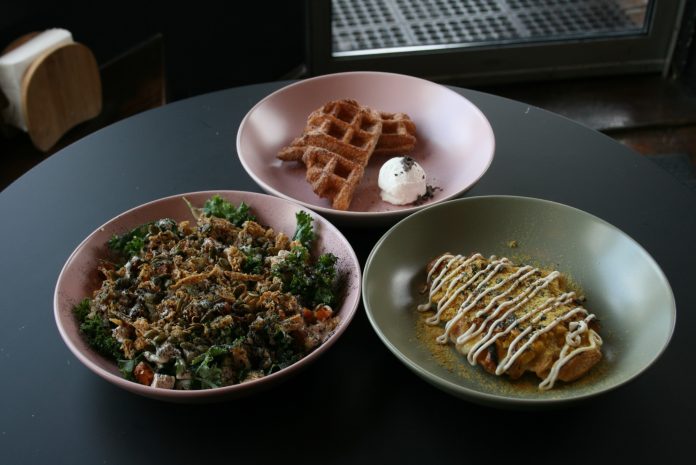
pixel 497 318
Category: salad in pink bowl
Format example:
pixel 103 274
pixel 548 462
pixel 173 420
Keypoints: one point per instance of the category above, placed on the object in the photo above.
pixel 206 295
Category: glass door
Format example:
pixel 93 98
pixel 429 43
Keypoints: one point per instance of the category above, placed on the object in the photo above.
pixel 484 41
pixel 383 26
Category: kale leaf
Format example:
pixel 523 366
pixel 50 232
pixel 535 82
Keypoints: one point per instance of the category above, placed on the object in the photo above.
pixel 304 232
pixel 82 309
pixel 205 366
pixel 97 331
pixel 254 259
pixel 314 283
pixel 286 352
pixel 131 243
pixel 325 279
pixel 126 366
pixel 221 208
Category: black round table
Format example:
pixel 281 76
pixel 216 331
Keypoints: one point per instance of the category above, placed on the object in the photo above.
pixel 358 403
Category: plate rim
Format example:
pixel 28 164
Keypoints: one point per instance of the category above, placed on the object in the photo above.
pixel 497 399
pixel 362 214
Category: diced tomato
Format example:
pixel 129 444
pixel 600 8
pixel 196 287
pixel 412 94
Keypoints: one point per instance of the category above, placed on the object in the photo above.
pixel 323 313
pixel 308 315
pixel 143 373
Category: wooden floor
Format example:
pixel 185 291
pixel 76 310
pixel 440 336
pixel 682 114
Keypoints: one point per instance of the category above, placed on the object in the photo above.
pixel 650 114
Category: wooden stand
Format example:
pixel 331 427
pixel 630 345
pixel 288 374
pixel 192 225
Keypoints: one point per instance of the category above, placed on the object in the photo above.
pixel 60 89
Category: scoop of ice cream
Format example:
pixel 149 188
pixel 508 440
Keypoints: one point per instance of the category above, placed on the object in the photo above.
pixel 401 180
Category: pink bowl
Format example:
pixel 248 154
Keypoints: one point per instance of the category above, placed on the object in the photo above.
pixel 455 140
pixel 79 278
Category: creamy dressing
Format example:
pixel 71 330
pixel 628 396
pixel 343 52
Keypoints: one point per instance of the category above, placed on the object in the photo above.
pixel 500 313
pixel 574 341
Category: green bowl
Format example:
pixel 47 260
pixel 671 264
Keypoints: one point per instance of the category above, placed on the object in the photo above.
pixel 624 287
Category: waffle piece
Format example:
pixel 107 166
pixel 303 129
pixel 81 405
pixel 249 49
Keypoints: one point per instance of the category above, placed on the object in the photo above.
pixel 336 145
pixel 332 176
pixel 398 134
pixel 398 137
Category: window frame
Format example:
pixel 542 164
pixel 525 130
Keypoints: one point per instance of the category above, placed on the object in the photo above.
pixel 649 51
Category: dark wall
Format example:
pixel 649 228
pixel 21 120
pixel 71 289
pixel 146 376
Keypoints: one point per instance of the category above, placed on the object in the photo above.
pixel 213 45
pixel 208 45
pixel 685 51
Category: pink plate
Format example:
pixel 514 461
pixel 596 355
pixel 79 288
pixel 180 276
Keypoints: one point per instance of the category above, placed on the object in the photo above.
pixel 455 140
pixel 79 278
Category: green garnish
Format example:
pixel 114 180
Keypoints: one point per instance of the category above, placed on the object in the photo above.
pixel 304 232
pixel 205 367
pixel 253 263
pixel 130 243
pixel 126 366
pixel 221 208
pixel 97 331
pixel 81 310
pixel 325 279
pixel 314 283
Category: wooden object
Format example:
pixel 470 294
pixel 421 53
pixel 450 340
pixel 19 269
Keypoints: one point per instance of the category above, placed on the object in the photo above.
pixel 60 89
pixel 132 82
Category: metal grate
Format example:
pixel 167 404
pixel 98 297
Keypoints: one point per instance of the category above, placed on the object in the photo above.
pixel 361 26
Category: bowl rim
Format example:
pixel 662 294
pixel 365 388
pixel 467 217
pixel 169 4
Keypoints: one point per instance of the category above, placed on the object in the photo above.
pixel 391 214
pixel 349 309
pixel 498 399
